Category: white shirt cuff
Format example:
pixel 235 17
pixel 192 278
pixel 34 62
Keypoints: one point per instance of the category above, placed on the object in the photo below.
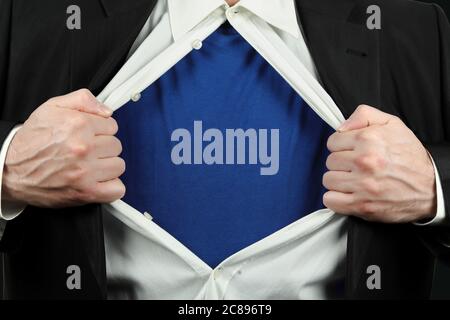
pixel 440 217
pixel 8 209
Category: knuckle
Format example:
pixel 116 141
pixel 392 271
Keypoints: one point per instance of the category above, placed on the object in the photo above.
pixel 364 109
pixel 80 196
pixel 80 150
pixel 366 136
pixel 329 162
pixel 396 119
pixel 119 146
pixel 121 190
pixel 118 166
pixel 326 200
pixel 326 179
pixel 122 166
pixel 76 176
pixel 114 144
pixel 113 193
pixel 366 208
pixel 371 186
pixel 85 95
pixel 73 196
pixel 51 101
pixel 364 162
pixel 89 194
pixel 370 162
pixel 331 159
pixel 331 141
pixel 330 202
pixel 78 122
pixel 113 126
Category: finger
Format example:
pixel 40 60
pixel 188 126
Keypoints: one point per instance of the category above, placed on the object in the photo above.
pixel 339 202
pixel 82 100
pixel 109 191
pixel 106 147
pixel 365 116
pixel 104 126
pixel 341 141
pixel 108 169
pixel 340 161
pixel 340 181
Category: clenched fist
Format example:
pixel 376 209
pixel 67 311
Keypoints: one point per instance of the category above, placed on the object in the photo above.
pixel 65 154
pixel 379 170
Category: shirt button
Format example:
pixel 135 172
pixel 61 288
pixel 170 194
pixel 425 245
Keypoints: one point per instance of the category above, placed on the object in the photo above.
pixel 136 97
pixel 217 273
pixel 197 44
pixel 148 216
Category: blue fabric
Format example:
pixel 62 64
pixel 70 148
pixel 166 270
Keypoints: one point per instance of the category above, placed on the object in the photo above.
pixel 217 210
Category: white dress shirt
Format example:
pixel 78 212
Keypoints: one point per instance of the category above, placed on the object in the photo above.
pixel 298 262
pixel 312 247
pixel 173 30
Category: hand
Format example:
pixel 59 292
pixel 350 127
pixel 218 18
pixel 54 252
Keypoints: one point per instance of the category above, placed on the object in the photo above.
pixel 379 170
pixel 65 155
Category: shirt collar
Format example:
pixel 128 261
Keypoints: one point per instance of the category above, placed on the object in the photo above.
pixel 186 14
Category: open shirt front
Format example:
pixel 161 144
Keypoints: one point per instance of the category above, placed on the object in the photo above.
pixel 301 261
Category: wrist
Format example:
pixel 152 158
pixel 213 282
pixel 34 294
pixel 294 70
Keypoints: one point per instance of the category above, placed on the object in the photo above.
pixel 431 205
pixel 10 188
pixel 429 212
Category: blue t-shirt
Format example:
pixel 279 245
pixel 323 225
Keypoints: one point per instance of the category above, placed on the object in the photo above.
pixel 221 150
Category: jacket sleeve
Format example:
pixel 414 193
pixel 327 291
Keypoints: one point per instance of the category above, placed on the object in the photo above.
pixel 5 36
pixel 438 238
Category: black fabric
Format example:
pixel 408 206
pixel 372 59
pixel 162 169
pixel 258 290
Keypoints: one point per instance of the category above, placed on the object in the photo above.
pixel 403 69
pixel 444 4
pixel 41 58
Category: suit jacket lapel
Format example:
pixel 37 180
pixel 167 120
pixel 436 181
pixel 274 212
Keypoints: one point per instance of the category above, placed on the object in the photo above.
pixel 113 7
pixel 347 59
pixel 114 61
pixel 345 51
pixel 128 18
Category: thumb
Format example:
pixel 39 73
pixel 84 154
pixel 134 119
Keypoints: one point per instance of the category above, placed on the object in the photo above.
pixel 364 116
pixel 84 101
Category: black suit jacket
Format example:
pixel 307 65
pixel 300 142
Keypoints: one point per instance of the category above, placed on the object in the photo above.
pixel 403 69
